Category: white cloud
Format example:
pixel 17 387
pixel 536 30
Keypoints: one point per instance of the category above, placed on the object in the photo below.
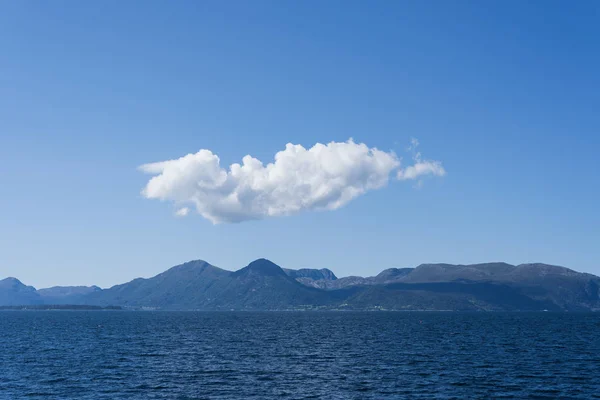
pixel 421 167
pixel 324 177
pixel 182 212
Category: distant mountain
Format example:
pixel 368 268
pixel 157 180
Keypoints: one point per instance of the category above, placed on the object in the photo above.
pixel 263 285
pixel 184 286
pixel 199 285
pixel 314 274
pixel 564 287
pixel 387 276
pixel 449 272
pixel 447 296
pixel 392 275
pixel 66 294
pixel 13 292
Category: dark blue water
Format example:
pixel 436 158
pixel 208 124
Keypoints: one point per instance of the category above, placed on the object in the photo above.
pixel 193 355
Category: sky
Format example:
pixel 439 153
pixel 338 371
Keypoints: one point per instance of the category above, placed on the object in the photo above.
pixel 125 126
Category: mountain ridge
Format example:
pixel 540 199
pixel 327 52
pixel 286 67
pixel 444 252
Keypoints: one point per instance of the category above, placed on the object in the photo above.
pixel 264 285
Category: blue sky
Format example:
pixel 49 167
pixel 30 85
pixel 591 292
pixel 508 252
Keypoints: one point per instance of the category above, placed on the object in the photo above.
pixel 505 94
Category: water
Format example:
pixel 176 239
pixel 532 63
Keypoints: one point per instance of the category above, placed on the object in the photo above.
pixel 195 355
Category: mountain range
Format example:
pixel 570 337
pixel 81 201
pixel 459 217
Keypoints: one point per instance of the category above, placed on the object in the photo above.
pixel 263 285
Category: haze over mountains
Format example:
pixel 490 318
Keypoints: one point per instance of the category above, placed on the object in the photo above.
pixel 263 285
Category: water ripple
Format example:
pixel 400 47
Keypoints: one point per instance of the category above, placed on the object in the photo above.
pixel 194 355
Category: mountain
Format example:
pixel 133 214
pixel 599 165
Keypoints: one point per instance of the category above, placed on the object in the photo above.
pixel 66 294
pixel 314 274
pixel 199 285
pixel 387 276
pixel 392 275
pixel 263 285
pixel 568 289
pixel 449 296
pixel 184 286
pixel 449 272
pixel 13 292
